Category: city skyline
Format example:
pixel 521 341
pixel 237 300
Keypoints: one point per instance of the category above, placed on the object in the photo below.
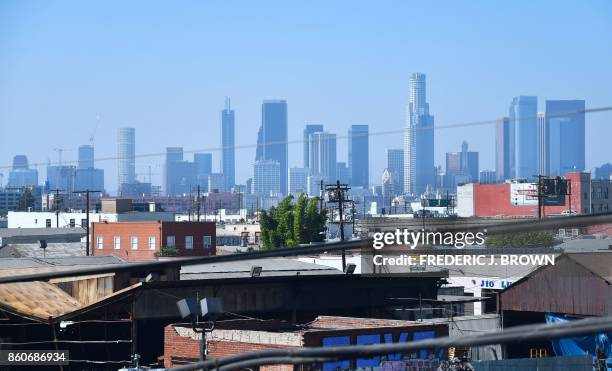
pixel 114 76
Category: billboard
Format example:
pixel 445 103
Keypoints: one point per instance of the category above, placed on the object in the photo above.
pixel 523 194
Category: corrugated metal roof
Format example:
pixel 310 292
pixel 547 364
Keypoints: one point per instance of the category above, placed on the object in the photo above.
pixel 19 266
pixel 599 263
pixel 270 267
pixel 54 249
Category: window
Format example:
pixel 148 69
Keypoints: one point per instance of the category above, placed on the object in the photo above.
pixel 189 242
pixel 207 242
pixel 170 241
pixel 117 242
pixel 100 242
pixel 83 223
pixel 72 223
pixel 48 223
pixel 151 242
pixel 134 243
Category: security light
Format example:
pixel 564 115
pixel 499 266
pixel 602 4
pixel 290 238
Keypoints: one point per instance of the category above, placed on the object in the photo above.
pixel 211 308
pixel 188 307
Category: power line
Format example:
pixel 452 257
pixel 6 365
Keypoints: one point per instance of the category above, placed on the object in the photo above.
pixel 511 335
pixel 298 141
pixel 508 227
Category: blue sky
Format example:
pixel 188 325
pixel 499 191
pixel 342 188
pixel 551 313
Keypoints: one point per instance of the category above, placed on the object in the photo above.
pixel 165 68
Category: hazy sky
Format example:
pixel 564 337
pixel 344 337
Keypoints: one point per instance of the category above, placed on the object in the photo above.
pixel 165 68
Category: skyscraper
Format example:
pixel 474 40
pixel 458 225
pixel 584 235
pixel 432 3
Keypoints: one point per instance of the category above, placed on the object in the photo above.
pixel 127 156
pixel 87 177
pixel 395 165
pixel 272 137
pixel 228 162
pixel 21 175
pixel 418 139
pixel 86 157
pixel 297 180
pixel 266 177
pixel 461 167
pixel 309 130
pixel 323 155
pixel 358 155
pixel 504 149
pixel 203 165
pixel 542 144
pixel 342 173
pixel 180 175
pixel 523 117
pixel 566 135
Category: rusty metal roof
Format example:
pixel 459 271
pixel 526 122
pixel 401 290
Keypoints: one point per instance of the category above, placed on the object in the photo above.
pixel 599 263
pixel 36 300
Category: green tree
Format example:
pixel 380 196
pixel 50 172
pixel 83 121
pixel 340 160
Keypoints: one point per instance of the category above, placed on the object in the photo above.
pixel 522 239
pixel 299 219
pixel 289 225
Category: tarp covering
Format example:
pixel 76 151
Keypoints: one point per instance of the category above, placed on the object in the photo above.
pixel 580 345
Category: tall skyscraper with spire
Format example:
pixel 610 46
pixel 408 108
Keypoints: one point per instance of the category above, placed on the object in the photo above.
pixel 228 155
pixel 418 139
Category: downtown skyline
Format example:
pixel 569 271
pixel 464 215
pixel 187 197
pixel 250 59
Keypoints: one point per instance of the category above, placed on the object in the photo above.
pixel 337 74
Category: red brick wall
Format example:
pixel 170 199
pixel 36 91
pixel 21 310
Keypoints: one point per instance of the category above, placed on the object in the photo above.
pixel 178 346
pixel 183 346
pixel 125 230
pixel 143 230
pixel 196 229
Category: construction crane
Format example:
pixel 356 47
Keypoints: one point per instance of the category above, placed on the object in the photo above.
pixel 59 154
pixel 93 132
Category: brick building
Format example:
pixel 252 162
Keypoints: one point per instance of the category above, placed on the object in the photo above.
pixel 135 241
pixel 182 344
pixel 588 196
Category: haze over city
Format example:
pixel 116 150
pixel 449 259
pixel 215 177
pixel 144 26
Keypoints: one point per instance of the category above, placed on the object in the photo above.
pixel 166 70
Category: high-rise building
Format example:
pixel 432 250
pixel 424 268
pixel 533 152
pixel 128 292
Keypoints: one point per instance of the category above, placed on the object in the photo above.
pixel 272 137
pixel 523 116
pixel 180 175
pixel 308 131
pixel 86 157
pixel 603 172
pixel 323 155
pixel 395 165
pixel 61 177
pixel 216 182
pixel 313 185
pixel 487 177
pixel 565 133
pixel 297 180
pixel 203 165
pixel 228 161
pixel 542 144
pixel 126 153
pixel 358 155
pixel 87 177
pixel 21 175
pixel 266 177
pixel 504 149
pixel 418 139
pixel 343 173
pixel 461 167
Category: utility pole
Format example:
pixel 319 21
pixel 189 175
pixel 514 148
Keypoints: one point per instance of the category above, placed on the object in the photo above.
pixel 336 193
pixel 198 203
pixel 87 193
pixel 56 201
